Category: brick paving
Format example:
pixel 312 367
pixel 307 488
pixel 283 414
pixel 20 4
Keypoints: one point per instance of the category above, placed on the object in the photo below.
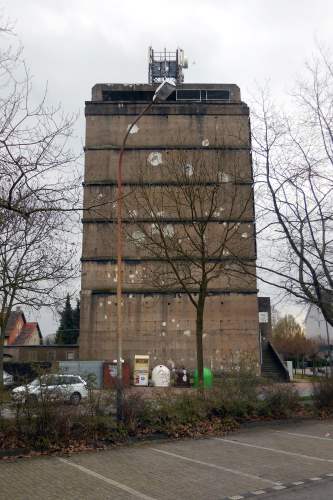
pixel 263 461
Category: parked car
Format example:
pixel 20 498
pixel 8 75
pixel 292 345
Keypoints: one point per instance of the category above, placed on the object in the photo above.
pixel 8 379
pixel 70 388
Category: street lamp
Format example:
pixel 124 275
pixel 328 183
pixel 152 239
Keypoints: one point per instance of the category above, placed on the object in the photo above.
pixel 161 94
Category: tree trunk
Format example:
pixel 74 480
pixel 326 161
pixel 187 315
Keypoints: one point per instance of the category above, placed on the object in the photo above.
pixel 199 333
pixel 1 358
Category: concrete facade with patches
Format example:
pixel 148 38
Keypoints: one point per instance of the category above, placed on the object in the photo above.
pixel 206 120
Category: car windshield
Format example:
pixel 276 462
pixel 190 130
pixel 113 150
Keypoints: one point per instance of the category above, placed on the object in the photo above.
pixel 35 382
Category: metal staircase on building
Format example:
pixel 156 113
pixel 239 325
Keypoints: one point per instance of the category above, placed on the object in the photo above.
pixel 272 365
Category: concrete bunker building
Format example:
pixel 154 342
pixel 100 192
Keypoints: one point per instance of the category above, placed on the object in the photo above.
pixel 207 120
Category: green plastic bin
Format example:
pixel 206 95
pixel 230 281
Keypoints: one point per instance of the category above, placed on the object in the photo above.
pixel 207 377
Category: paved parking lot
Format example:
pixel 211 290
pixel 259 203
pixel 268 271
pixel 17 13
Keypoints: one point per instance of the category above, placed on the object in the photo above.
pixel 293 461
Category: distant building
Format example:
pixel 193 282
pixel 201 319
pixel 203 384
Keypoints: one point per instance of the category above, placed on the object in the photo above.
pixel 21 332
pixel 265 317
pixel 316 327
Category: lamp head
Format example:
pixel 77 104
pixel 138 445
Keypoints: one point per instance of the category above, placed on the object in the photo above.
pixel 164 90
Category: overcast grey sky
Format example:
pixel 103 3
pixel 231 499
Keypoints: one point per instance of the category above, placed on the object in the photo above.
pixel 73 44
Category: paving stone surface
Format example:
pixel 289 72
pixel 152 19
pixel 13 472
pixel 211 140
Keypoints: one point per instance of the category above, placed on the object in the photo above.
pixel 263 462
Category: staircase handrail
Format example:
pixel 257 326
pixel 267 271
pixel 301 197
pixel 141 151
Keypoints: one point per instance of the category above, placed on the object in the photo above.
pixel 281 362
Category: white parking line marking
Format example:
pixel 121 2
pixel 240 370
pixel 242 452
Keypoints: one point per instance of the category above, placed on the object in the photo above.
pixel 236 497
pixel 330 474
pixel 120 486
pixel 297 434
pixel 297 483
pixel 315 478
pixel 213 466
pixel 274 450
pixel 258 492
pixel 279 487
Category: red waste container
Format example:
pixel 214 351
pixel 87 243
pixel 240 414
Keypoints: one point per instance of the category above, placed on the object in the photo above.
pixel 110 374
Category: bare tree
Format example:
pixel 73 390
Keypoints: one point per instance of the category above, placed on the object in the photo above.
pixel 35 262
pixel 294 159
pixel 37 163
pixel 38 185
pixel 194 228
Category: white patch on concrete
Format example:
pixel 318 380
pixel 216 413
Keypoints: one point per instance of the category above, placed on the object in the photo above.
pixel 155 159
pixel 163 334
pixel 109 302
pixel 205 142
pixel 173 320
pixel 138 236
pixel 188 169
pixel 214 466
pixel 154 228
pixel 109 275
pixel 101 304
pixel 223 177
pixel 163 323
pixel 107 480
pixel 105 316
pixel 245 235
pixel 134 129
pixel 169 231
pixel 187 333
pixel 225 252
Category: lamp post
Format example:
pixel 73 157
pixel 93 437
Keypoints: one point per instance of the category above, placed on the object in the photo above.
pixel 161 94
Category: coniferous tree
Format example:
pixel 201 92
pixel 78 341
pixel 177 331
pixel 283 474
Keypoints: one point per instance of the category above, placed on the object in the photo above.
pixel 66 328
pixel 76 322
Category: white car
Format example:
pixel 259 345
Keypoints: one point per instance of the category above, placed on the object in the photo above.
pixel 70 388
pixel 8 379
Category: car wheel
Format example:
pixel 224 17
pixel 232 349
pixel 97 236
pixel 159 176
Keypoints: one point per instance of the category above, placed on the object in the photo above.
pixel 75 398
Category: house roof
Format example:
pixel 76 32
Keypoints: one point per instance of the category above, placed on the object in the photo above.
pixel 27 331
pixel 13 318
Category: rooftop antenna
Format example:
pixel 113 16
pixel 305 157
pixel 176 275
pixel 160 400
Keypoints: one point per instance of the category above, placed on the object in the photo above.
pixel 166 65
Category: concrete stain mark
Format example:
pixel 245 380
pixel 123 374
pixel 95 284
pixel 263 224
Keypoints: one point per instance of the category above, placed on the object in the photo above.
pixel 223 177
pixel 134 129
pixel 188 169
pixel 205 142
pixel 155 159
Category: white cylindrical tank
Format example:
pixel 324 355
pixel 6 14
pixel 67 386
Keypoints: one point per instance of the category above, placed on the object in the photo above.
pixel 161 376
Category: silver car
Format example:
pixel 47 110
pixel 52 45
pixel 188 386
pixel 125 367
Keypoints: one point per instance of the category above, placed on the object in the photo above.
pixel 70 388
pixel 8 379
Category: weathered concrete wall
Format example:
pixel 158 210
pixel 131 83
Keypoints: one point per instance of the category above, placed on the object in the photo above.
pixel 157 322
pixel 164 327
